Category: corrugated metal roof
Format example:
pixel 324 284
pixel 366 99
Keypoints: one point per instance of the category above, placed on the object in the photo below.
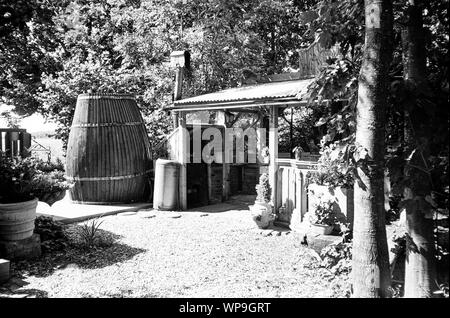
pixel 264 91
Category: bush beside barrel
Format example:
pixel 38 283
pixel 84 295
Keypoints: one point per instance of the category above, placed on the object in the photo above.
pixel 108 151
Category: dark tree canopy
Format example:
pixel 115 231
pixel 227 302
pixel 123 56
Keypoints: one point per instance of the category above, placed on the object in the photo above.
pixel 27 43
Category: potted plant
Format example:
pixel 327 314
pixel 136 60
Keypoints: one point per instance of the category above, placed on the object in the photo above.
pixel 322 217
pixel 50 182
pixel 262 210
pixel 333 177
pixel 24 181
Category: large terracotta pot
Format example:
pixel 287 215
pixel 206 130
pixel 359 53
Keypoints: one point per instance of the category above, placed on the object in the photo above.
pixel 17 220
pixel 262 214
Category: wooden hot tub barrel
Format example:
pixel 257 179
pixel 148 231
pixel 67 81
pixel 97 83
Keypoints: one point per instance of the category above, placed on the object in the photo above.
pixel 108 151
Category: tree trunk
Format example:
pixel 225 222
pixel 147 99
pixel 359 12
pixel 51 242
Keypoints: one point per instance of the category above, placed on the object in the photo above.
pixel 371 275
pixel 420 269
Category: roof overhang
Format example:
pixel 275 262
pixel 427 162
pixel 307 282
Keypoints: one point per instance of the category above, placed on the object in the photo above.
pixel 284 93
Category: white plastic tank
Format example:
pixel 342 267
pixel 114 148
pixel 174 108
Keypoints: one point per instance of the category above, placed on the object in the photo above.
pixel 165 194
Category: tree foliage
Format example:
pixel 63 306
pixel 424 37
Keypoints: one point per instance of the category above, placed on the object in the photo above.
pixel 426 104
pixel 124 46
pixel 338 81
pixel 27 44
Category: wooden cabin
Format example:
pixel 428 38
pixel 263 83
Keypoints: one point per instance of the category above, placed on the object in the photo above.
pixel 263 101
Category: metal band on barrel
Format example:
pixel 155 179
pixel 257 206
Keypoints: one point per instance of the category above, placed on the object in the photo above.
pixel 129 176
pixel 106 97
pixel 88 125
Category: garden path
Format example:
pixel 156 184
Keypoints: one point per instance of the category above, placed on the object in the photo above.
pixel 182 254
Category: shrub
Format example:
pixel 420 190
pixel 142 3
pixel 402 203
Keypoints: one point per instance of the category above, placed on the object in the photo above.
pixel 323 212
pixel 399 240
pixel 333 169
pixel 89 232
pixel 52 234
pixel 22 179
pixel 337 257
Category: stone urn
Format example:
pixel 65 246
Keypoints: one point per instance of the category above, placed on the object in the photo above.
pixel 262 214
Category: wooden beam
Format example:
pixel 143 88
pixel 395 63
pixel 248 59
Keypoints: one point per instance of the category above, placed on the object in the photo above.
pixel 209 174
pixel 182 156
pixel 273 148
pixel 237 104
pixel 226 181
pixel 225 170
pixel 25 144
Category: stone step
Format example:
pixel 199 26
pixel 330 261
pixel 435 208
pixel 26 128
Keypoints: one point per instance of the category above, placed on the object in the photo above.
pixel 4 270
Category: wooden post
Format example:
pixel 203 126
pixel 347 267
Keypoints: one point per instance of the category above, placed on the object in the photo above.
pixel 9 140
pixel 177 92
pixel 174 119
pixel 303 194
pixel 179 119
pixel 273 148
pixel 182 158
pixel 209 174
pixel 25 144
pixel 225 164
pixel 291 134
pixel 263 123
pixel 226 181
pixel 178 82
pixel 259 144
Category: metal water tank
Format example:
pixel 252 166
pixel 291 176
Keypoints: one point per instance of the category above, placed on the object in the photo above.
pixel 165 195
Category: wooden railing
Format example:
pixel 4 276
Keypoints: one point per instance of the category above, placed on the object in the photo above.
pixel 15 142
pixel 37 147
pixel 291 193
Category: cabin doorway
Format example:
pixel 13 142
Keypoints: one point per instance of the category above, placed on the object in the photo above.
pixel 197 185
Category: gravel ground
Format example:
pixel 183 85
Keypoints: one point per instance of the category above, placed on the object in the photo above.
pixel 187 254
